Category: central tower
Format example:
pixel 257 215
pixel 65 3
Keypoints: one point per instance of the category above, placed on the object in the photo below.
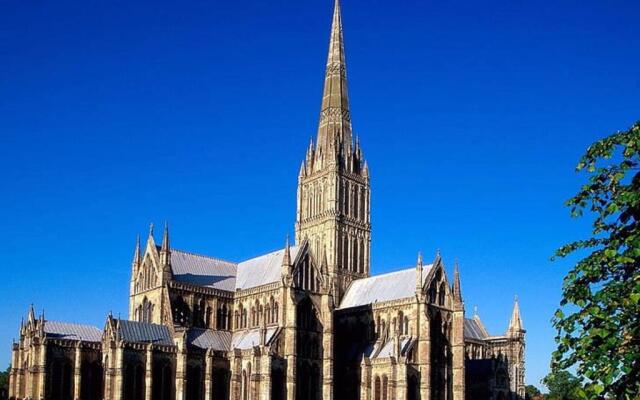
pixel 333 211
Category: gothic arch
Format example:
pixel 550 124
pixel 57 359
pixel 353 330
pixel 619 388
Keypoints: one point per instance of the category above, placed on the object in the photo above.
pixel 91 380
pixel 162 380
pixel 60 379
pixel 134 381
pixel 181 311
pixel 194 382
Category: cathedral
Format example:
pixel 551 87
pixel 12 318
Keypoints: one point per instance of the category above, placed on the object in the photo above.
pixel 307 322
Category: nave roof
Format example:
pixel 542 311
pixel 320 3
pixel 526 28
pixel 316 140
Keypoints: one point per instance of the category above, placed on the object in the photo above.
pixel 380 288
pixel 70 331
pixel 142 332
pixel 226 275
pixel 474 329
pixel 225 341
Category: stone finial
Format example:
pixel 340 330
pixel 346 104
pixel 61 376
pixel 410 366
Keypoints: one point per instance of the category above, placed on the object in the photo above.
pixel 515 324
pixel 457 290
pixel 165 238
pixel 419 271
pixel 137 254
pixel 32 314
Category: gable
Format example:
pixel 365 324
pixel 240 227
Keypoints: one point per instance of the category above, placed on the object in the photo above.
pixel 387 287
pixel 203 271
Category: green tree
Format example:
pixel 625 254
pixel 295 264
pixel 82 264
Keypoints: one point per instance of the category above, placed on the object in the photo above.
pixel 4 379
pixel 562 385
pixel 531 391
pixel 598 319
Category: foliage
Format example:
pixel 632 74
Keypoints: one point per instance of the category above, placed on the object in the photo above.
pixel 597 322
pixel 562 385
pixel 4 379
pixel 531 391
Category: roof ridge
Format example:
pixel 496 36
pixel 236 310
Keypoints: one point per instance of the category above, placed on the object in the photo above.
pixel 266 254
pixel 139 322
pixel 203 256
pixel 404 269
pixel 71 323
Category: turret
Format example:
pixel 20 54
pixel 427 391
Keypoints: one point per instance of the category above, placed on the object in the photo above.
pixel 137 257
pixel 456 289
pixel 515 324
pixel 419 277
pixel 287 266
pixel 165 255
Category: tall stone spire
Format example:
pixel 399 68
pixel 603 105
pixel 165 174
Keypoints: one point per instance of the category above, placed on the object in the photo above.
pixel 515 324
pixel 333 212
pixel 335 119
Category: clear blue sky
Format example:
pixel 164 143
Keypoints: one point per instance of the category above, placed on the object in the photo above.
pixel 472 116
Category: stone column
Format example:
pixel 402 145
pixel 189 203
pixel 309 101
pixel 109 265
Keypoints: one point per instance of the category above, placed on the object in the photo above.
pixel 401 381
pixel 457 350
pixel 235 387
pixel 327 348
pixel 289 318
pixel 77 371
pixel 265 376
pixel 424 349
pixel 12 371
pixel 107 361
pixel 148 372
pixel 118 376
pixel 365 379
pixel 42 368
pixel 208 375
pixel 181 372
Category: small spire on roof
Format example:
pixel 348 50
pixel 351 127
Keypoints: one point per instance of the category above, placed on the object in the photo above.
pixel 151 229
pixel 475 311
pixel 165 237
pixel 32 313
pixel 286 260
pixel 136 253
pixel 419 269
pixel 165 252
pixel 457 290
pixel 515 324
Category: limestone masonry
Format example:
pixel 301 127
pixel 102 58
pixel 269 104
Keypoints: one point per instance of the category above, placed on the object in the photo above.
pixel 305 322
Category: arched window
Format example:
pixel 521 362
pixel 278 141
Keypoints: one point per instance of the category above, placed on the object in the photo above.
pixel 245 388
pixel 181 311
pixel 406 325
pixel 276 310
pixel 385 387
pixel 432 293
pixel 441 294
pixel 377 389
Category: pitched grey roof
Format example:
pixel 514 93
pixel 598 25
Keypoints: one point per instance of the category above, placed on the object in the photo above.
pixel 474 329
pixel 209 339
pixel 248 339
pixel 203 271
pixel 226 275
pixel 142 332
pixel 68 331
pixel 262 270
pixel 389 348
pixel 392 286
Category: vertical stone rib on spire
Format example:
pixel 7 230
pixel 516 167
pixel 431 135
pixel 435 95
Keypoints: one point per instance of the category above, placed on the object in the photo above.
pixel 335 119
